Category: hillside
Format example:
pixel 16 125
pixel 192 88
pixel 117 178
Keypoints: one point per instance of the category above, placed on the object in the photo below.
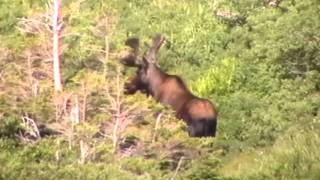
pixel 258 61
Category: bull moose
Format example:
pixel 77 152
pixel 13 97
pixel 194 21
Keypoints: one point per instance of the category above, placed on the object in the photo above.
pixel 199 114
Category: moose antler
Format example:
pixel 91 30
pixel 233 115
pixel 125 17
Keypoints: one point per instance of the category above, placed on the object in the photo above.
pixel 134 43
pixel 158 40
pixel 130 59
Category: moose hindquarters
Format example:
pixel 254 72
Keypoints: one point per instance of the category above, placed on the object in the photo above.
pixel 202 128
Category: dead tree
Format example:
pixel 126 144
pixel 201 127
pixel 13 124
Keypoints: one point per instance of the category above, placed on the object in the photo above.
pixel 57 28
pixel 45 57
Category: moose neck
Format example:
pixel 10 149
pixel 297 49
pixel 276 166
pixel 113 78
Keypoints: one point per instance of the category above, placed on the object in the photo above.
pixel 157 76
pixel 167 89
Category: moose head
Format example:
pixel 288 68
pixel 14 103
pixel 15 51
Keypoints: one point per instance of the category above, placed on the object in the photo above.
pixel 199 114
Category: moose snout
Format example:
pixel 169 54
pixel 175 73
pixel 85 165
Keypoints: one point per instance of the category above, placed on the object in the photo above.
pixel 129 88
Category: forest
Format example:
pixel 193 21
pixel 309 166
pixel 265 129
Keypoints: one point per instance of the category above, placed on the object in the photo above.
pixel 258 61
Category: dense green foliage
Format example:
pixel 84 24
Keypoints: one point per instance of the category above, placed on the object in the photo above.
pixel 259 63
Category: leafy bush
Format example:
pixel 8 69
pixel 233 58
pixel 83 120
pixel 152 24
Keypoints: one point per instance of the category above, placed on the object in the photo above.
pixel 9 127
pixel 218 79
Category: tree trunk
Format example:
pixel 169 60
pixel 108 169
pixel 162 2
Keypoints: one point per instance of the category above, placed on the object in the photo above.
pixel 56 26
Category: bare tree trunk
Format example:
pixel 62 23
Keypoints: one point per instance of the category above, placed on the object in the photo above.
pixel 118 114
pixel 55 51
pixel 84 152
pixel 75 111
pixel 33 84
pixel 84 100
pixel 106 41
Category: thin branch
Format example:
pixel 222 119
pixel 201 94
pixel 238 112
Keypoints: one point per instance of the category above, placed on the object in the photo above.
pixel 156 128
pixel 178 168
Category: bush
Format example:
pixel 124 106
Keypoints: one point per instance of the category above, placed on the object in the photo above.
pixel 9 127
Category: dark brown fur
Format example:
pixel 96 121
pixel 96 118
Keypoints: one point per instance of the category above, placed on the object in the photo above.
pixel 199 114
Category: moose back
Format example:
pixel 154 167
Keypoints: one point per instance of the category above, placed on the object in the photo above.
pixel 199 114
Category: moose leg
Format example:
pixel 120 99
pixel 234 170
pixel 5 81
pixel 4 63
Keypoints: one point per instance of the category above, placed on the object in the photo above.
pixel 196 129
pixel 211 127
pixel 202 128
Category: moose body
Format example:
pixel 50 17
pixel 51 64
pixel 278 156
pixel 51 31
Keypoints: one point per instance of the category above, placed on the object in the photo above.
pixel 199 114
